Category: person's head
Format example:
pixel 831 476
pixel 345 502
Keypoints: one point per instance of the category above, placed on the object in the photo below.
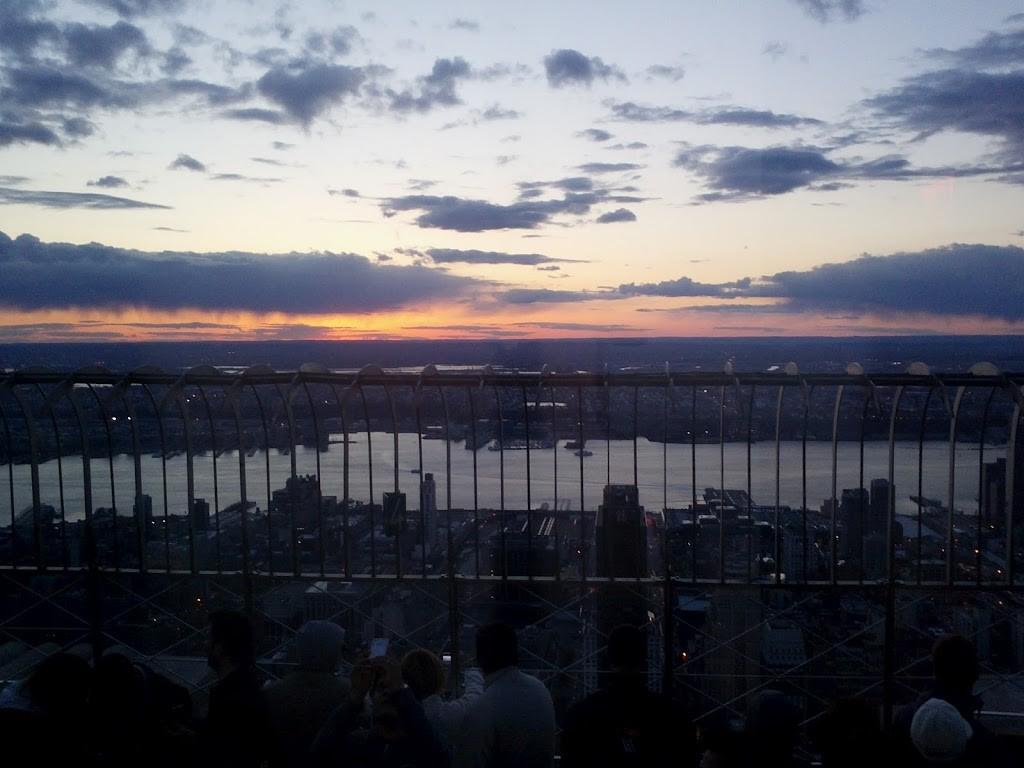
pixel 59 685
pixel 231 643
pixel 496 648
pixel 627 649
pixel 319 644
pixel 955 664
pixel 772 724
pixel 848 733
pixel 939 732
pixel 119 689
pixel 423 673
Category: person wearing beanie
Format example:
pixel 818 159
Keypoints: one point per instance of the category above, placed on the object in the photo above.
pixel 301 702
pixel 939 732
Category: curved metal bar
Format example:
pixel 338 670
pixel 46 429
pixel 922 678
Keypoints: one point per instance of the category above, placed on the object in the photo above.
pixel 60 476
pixel 693 482
pixel 1011 483
pixel 216 486
pixel 163 466
pixel 319 487
pixel 139 510
pixel 979 541
pixel 950 532
pixel 266 459
pixel 750 501
pixel 476 498
pixel 721 484
pixel 920 479
pixel 448 481
pixel 807 393
pixel 293 504
pixel 833 536
pixel 890 544
pixel 554 455
pixel 395 459
pixel 33 441
pixel 369 477
pixel 778 485
pixel 583 513
pixel 110 464
pixel 232 396
pixel 10 486
pixel 418 402
pixel 870 396
pixel 346 548
pixel 501 476
pixel 608 426
pixel 636 429
pixel 529 498
pixel 178 395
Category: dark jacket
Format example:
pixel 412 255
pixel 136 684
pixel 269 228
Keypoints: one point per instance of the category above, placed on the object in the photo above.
pixel 626 725
pixel 342 740
pixel 237 731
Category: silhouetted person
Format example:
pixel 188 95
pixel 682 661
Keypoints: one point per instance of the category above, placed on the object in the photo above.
pixel 51 700
pixel 237 729
pixel 625 724
pixel 849 735
pixel 955 672
pixel 719 743
pixel 771 730
pixel 301 702
pixel 424 673
pixel 513 721
pixel 380 726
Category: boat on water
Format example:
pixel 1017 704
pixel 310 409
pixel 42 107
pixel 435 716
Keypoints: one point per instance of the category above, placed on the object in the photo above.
pixel 574 445
pixel 583 453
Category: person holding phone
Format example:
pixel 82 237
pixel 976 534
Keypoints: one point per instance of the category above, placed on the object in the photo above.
pixel 425 675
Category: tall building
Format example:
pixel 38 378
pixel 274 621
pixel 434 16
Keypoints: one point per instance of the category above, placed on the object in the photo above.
pixel 621 533
pixel 428 507
pixel 880 492
pixel 201 514
pixel 142 510
pixel 854 513
pixel 993 493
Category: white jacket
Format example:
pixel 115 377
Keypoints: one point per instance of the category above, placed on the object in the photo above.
pixel 446 717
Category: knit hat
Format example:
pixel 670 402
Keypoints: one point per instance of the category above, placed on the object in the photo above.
pixel 319 644
pixel 939 732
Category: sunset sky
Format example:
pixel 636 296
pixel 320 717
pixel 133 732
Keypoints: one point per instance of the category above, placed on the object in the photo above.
pixel 185 169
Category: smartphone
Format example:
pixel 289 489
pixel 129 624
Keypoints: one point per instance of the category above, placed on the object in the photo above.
pixel 447 659
pixel 378 647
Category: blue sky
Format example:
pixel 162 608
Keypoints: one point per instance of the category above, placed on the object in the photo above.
pixel 186 168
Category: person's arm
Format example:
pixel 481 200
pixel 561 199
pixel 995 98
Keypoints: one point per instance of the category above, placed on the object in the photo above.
pixel 343 720
pixel 421 735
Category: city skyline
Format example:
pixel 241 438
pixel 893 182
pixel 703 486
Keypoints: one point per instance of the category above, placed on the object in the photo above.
pixel 179 169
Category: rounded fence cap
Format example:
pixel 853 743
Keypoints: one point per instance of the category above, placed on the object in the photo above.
pixel 919 369
pixel 984 369
pixel 854 369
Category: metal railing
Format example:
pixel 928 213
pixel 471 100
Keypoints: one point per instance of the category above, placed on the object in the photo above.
pixel 457 483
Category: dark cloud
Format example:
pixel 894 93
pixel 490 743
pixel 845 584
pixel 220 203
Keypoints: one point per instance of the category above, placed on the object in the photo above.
pixel 594 134
pixel 724 115
pixel 435 89
pixel 44 86
pixel 959 280
pixel 243 177
pixel 467 25
pixel 108 182
pixel 737 172
pixel 339 42
pixel 452 256
pixel 26 133
pixel 956 100
pixel 588 327
pixel 620 214
pixel 569 67
pixel 825 11
pixel 774 49
pixel 11 181
pixel 257 115
pixel 305 92
pixel 665 72
pixel 549 268
pixel 188 163
pixel 501 71
pixel 347 192
pixel 551 296
pixel 95 46
pixel 170 229
pixel 44 199
pixel 77 127
pixel 131 8
pixel 268 161
pixel 994 50
pixel 175 60
pixel 497 112
pixel 40 275
pixel 630 145
pixel 608 167
pixel 281 146
pixel 463 215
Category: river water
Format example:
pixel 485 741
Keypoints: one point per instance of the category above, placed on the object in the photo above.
pixel 650 461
